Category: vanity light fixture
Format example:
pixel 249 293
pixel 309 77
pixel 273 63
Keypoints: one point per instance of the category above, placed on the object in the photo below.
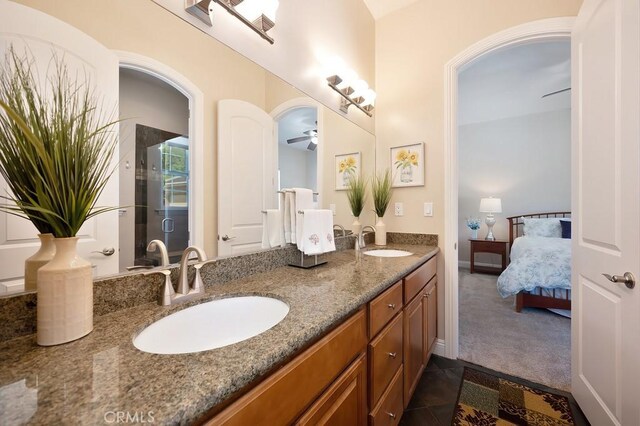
pixel 353 92
pixel 259 15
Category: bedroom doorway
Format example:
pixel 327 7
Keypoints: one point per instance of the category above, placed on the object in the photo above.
pixel 514 110
pixel 474 118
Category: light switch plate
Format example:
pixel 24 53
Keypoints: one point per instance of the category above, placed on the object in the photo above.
pixel 399 209
pixel 428 209
pixel 332 207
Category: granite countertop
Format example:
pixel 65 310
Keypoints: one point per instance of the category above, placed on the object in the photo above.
pixel 102 377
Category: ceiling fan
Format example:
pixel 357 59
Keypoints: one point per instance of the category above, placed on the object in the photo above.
pixel 311 136
pixel 556 92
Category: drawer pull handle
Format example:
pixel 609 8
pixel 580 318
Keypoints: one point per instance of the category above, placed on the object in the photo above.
pixel 393 354
pixel 393 416
pixel 391 305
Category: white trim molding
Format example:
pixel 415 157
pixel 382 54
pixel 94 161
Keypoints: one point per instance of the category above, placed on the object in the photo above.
pixel 536 31
pixel 439 348
pixel 195 96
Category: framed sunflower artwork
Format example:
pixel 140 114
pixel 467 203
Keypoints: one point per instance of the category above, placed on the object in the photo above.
pixel 347 165
pixel 407 165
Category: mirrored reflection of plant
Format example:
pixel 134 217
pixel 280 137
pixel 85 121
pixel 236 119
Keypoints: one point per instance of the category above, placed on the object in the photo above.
pixel 356 193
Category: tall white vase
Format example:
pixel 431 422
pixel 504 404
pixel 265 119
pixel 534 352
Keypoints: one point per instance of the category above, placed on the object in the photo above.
pixel 356 226
pixel 381 233
pixel 39 259
pixel 65 296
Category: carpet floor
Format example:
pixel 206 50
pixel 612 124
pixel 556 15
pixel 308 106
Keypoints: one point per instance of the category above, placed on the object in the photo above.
pixel 534 344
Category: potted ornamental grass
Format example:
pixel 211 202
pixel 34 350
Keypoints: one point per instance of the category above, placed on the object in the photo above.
pixel 56 150
pixel 381 190
pixel 357 195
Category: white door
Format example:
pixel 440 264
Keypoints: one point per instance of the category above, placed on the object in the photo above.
pixel 247 165
pixel 42 36
pixel 606 220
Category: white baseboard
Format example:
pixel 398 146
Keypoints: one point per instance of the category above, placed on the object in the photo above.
pixel 466 264
pixel 439 349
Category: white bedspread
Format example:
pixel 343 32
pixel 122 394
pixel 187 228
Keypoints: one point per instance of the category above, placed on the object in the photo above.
pixel 537 262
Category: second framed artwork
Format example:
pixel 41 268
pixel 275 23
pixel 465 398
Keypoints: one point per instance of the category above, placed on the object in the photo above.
pixel 347 165
pixel 407 163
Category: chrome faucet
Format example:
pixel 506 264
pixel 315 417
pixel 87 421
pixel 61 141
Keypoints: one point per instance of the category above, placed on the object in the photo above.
pixel 186 291
pixel 344 232
pixel 183 280
pixel 159 245
pixel 360 243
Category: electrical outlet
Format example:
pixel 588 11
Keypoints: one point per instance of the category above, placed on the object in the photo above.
pixel 428 209
pixel 332 207
pixel 399 209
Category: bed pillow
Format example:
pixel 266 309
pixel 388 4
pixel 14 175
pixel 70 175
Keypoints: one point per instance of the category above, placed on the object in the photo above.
pixel 566 228
pixel 546 227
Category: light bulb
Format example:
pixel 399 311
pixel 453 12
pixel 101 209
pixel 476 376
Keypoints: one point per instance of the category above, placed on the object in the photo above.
pixel 314 140
pixel 250 9
pixel 359 88
pixel 349 77
pixel 270 8
pixel 369 97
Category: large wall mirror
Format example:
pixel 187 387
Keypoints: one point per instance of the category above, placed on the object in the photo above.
pixel 159 165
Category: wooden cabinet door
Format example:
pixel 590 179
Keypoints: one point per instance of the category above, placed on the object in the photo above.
pixel 430 314
pixel 413 346
pixel 345 402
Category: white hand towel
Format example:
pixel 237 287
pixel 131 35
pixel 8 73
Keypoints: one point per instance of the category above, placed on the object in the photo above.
pixel 317 232
pixel 275 231
pixel 289 216
pixel 303 201
pixel 282 220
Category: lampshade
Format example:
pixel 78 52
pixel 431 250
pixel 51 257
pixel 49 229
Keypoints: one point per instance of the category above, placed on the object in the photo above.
pixel 490 205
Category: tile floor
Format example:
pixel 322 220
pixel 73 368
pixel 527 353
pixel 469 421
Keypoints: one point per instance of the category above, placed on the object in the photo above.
pixel 435 397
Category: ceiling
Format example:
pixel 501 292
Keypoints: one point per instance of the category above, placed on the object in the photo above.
pixel 510 82
pixel 380 8
pixel 294 123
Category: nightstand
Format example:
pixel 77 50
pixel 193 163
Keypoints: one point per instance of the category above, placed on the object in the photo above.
pixel 487 246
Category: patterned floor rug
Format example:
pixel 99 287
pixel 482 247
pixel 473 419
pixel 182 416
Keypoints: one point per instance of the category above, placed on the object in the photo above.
pixel 485 399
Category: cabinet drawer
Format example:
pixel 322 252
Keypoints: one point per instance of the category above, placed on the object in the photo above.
pixel 345 402
pixel 415 281
pixel 389 411
pixel 283 396
pixel 385 356
pixel 384 307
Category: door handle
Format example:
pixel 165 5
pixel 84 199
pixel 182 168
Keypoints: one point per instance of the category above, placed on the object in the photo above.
pixel 106 251
pixel 227 238
pixel 627 279
pixel 168 221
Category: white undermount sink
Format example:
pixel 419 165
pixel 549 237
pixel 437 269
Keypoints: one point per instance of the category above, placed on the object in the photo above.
pixel 388 253
pixel 211 325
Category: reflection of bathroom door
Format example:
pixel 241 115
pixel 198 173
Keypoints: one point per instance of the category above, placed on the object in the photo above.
pixel 43 35
pixel 247 167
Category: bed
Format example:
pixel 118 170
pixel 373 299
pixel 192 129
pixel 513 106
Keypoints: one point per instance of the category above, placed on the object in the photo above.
pixel 539 274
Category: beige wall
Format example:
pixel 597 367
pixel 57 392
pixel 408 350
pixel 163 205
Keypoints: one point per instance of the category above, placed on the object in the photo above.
pixel 412 47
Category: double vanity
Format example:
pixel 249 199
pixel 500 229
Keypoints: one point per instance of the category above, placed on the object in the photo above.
pixel 343 342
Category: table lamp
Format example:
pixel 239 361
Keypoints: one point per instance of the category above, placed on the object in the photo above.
pixel 490 205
